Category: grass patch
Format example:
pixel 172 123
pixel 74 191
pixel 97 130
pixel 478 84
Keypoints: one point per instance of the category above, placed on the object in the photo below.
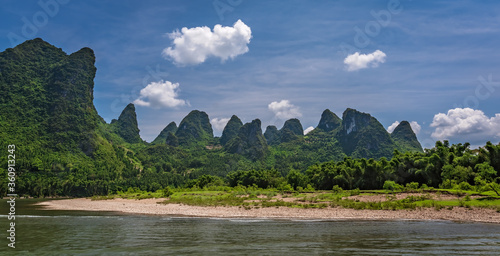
pixel 249 198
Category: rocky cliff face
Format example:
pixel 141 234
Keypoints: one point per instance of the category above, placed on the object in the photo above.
pixel 292 130
pixel 353 121
pixel 250 142
pixel 364 136
pixel 46 108
pixel 49 94
pixel 126 125
pixel 230 130
pixel 195 128
pixel 405 138
pixel 162 137
pixel 272 135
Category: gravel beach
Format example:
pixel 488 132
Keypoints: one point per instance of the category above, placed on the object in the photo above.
pixel 152 207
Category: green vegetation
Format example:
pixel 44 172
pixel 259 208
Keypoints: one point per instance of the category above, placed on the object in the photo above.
pixel 252 197
pixel 230 130
pixel 250 142
pixel 163 137
pixel 195 129
pixel 64 148
pixel 126 125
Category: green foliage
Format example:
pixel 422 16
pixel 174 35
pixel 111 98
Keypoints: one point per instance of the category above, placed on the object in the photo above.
pixel 164 135
pixel 297 179
pixel 66 149
pixel 167 192
pixel 260 178
pixel 205 181
pixel 405 138
pixel 329 121
pixel 392 186
pixel 362 136
pixel 292 130
pixel 194 129
pixel 272 135
pixel 230 130
pixel 337 190
pixel 250 142
pixel 126 125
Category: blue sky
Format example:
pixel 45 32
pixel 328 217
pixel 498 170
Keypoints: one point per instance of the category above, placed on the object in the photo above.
pixel 421 62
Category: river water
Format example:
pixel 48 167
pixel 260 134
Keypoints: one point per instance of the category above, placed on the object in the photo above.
pixel 41 232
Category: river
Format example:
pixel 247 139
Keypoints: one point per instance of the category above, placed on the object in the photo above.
pixel 42 232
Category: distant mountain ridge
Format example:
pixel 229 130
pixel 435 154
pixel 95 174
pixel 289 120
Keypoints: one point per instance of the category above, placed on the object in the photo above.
pixel 357 134
pixel 66 148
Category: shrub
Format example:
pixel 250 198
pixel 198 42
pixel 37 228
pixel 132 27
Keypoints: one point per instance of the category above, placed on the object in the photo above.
pixel 465 186
pixel 337 190
pixel 391 185
pixel 412 186
pixel 167 192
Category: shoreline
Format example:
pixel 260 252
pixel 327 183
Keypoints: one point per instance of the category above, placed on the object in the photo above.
pixel 151 207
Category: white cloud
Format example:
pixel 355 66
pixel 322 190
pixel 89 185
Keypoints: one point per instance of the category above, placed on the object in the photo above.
pixel 160 94
pixel 308 130
pixel 414 126
pixel 284 109
pixel 358 61
pixel 466 125
pixel 192 46
pixel 393 126
pixel 219 124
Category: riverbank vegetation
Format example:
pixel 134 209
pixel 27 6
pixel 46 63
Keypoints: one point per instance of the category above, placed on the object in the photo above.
pixel 453 167
pixel 403 198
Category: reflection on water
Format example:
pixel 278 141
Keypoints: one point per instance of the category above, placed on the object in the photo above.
pixel 90 233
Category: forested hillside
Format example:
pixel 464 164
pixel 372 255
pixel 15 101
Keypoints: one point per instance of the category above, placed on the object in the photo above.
pixel 64 148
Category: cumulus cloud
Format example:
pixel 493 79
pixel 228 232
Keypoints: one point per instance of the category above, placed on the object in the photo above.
pixel 393 126
pixel 192 46
pixel 160 95
pixel 466 125
pixel 284 109
pixel 219 124
pixel 414 126
pixel 358 61
pixel 308 130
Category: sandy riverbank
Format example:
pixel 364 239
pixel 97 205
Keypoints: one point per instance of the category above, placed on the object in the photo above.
pixel 151 206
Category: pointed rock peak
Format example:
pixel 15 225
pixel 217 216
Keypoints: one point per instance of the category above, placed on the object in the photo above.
pixel 231 129
pixel 254 126
pixel 272 135
pixel 353 120
pixel 195 127
pixel 35 51
pixel 36 42
pixel 405 138
pixel 250 142
pixel 128 111
pixel 257 123
pixel 251 130
pixel 329 121
pixel 404 126
pixel 294 126
pixel 170 128
pixel 197 118
pixel 235 118
pixel 126 125
pixel 271 128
